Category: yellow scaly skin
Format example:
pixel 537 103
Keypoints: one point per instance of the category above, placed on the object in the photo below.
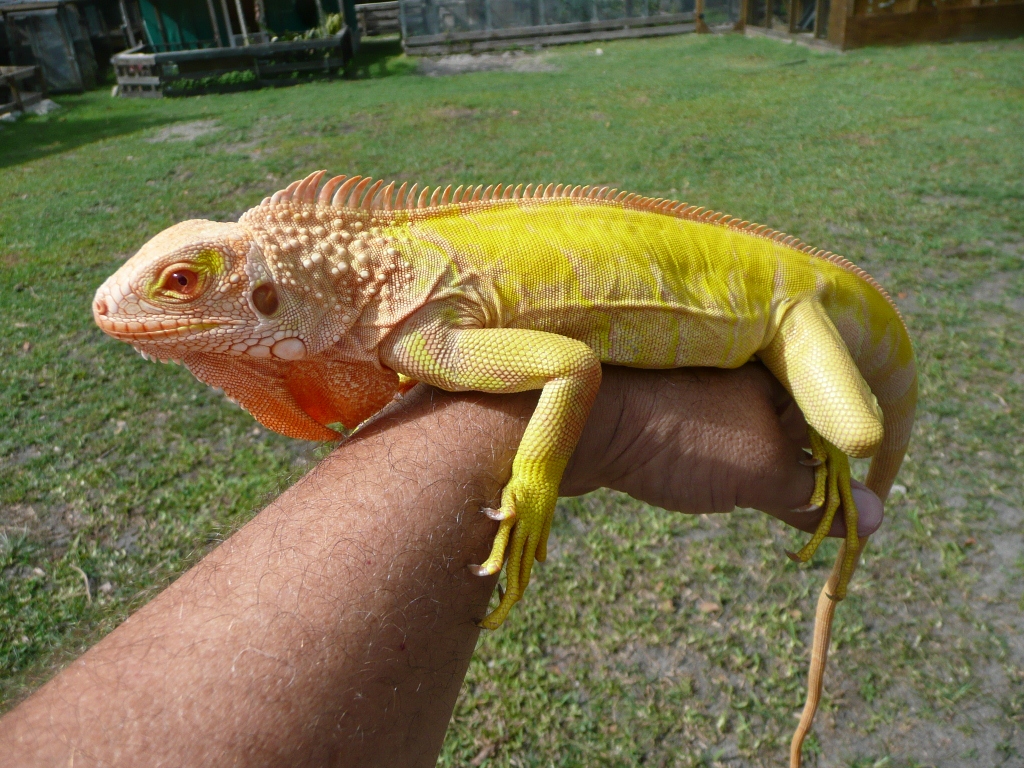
pixel 324 302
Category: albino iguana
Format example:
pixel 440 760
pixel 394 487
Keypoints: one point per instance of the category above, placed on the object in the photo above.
pixel 325 301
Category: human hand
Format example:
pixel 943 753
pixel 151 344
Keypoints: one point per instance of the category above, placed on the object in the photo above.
pixel 704 440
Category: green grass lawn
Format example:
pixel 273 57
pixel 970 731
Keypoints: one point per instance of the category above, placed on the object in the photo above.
pixel 648 638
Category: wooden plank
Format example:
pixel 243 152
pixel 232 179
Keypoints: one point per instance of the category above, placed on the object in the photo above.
pixel 261 50
pixel 17 73
pixel 967 23
pixel 528 42
pixel 133 59
pixel 549 29
pixel 138 80
pixel 141 94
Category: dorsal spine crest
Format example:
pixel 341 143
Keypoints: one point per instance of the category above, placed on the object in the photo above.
pixel 358 193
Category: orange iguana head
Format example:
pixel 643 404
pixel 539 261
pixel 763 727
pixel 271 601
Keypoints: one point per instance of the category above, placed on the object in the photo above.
pixel 184 291
pixel 202 293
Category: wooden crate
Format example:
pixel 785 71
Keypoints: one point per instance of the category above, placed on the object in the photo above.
pixel 152 75
pixel 15 95
pixel 378 19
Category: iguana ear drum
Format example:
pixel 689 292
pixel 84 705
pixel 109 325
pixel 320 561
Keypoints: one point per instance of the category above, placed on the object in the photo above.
pixel 264 298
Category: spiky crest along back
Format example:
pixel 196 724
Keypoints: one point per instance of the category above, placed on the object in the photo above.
pixel 362 193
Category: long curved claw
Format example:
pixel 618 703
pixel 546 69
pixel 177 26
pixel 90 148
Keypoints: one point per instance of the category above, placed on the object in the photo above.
pixel 483 570
pixel 498 514
pixel 807 508
pixel 492 564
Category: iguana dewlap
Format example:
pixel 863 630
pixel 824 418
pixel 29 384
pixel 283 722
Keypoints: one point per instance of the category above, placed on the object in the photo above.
pixel 311 307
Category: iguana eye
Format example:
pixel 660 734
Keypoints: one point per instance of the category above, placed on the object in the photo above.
pixel 181 281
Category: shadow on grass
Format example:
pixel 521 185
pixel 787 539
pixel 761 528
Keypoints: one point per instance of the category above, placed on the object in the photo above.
pixel 379 58
pixel 30 139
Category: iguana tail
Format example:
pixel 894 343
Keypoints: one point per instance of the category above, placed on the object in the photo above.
pixel 897 397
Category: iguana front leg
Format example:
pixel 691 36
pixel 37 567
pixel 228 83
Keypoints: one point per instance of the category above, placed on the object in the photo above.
pixel 504 360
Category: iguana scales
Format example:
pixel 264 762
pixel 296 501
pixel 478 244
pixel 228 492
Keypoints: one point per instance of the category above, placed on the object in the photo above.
pixel 329 298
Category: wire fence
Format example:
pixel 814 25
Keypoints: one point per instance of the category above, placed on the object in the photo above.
pixel 455 17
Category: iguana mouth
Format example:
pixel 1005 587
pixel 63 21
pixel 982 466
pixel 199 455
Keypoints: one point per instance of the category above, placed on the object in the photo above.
pixel 123 330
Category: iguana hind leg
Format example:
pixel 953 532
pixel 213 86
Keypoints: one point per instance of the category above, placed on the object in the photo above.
pixel 810 358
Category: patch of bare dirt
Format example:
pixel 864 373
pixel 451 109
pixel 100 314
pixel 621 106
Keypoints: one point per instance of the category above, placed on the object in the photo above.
pixel 509 61
pixel 189 131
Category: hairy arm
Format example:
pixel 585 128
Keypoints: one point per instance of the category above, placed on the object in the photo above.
pixel 335 628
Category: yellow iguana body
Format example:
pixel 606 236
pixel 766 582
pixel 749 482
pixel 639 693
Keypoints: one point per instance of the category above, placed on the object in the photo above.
pixel 324 302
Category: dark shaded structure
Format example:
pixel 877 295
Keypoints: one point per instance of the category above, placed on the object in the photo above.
pixel 857 23
pixel 194 46
pixel 69 40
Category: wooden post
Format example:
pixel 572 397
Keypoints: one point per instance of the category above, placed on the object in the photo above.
pixel 241 22
pixel 793 5
pixel 261 18
pixel 699 25
pixel 127 25
pixel 213 21
pixel 741 22
pixel 227 23
pixel 817 19
pixel 321 18
pixel 839 12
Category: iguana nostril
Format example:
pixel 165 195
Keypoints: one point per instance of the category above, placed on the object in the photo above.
pixel 100 307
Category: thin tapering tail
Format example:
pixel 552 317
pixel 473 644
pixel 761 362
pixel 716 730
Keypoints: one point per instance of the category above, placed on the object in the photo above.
pixel 823 616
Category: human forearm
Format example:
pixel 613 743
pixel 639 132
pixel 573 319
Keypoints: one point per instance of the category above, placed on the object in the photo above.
pixel 334 628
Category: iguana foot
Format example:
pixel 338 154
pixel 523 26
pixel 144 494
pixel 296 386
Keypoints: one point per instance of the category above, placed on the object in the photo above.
pixel 831 488
pixel 525 515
